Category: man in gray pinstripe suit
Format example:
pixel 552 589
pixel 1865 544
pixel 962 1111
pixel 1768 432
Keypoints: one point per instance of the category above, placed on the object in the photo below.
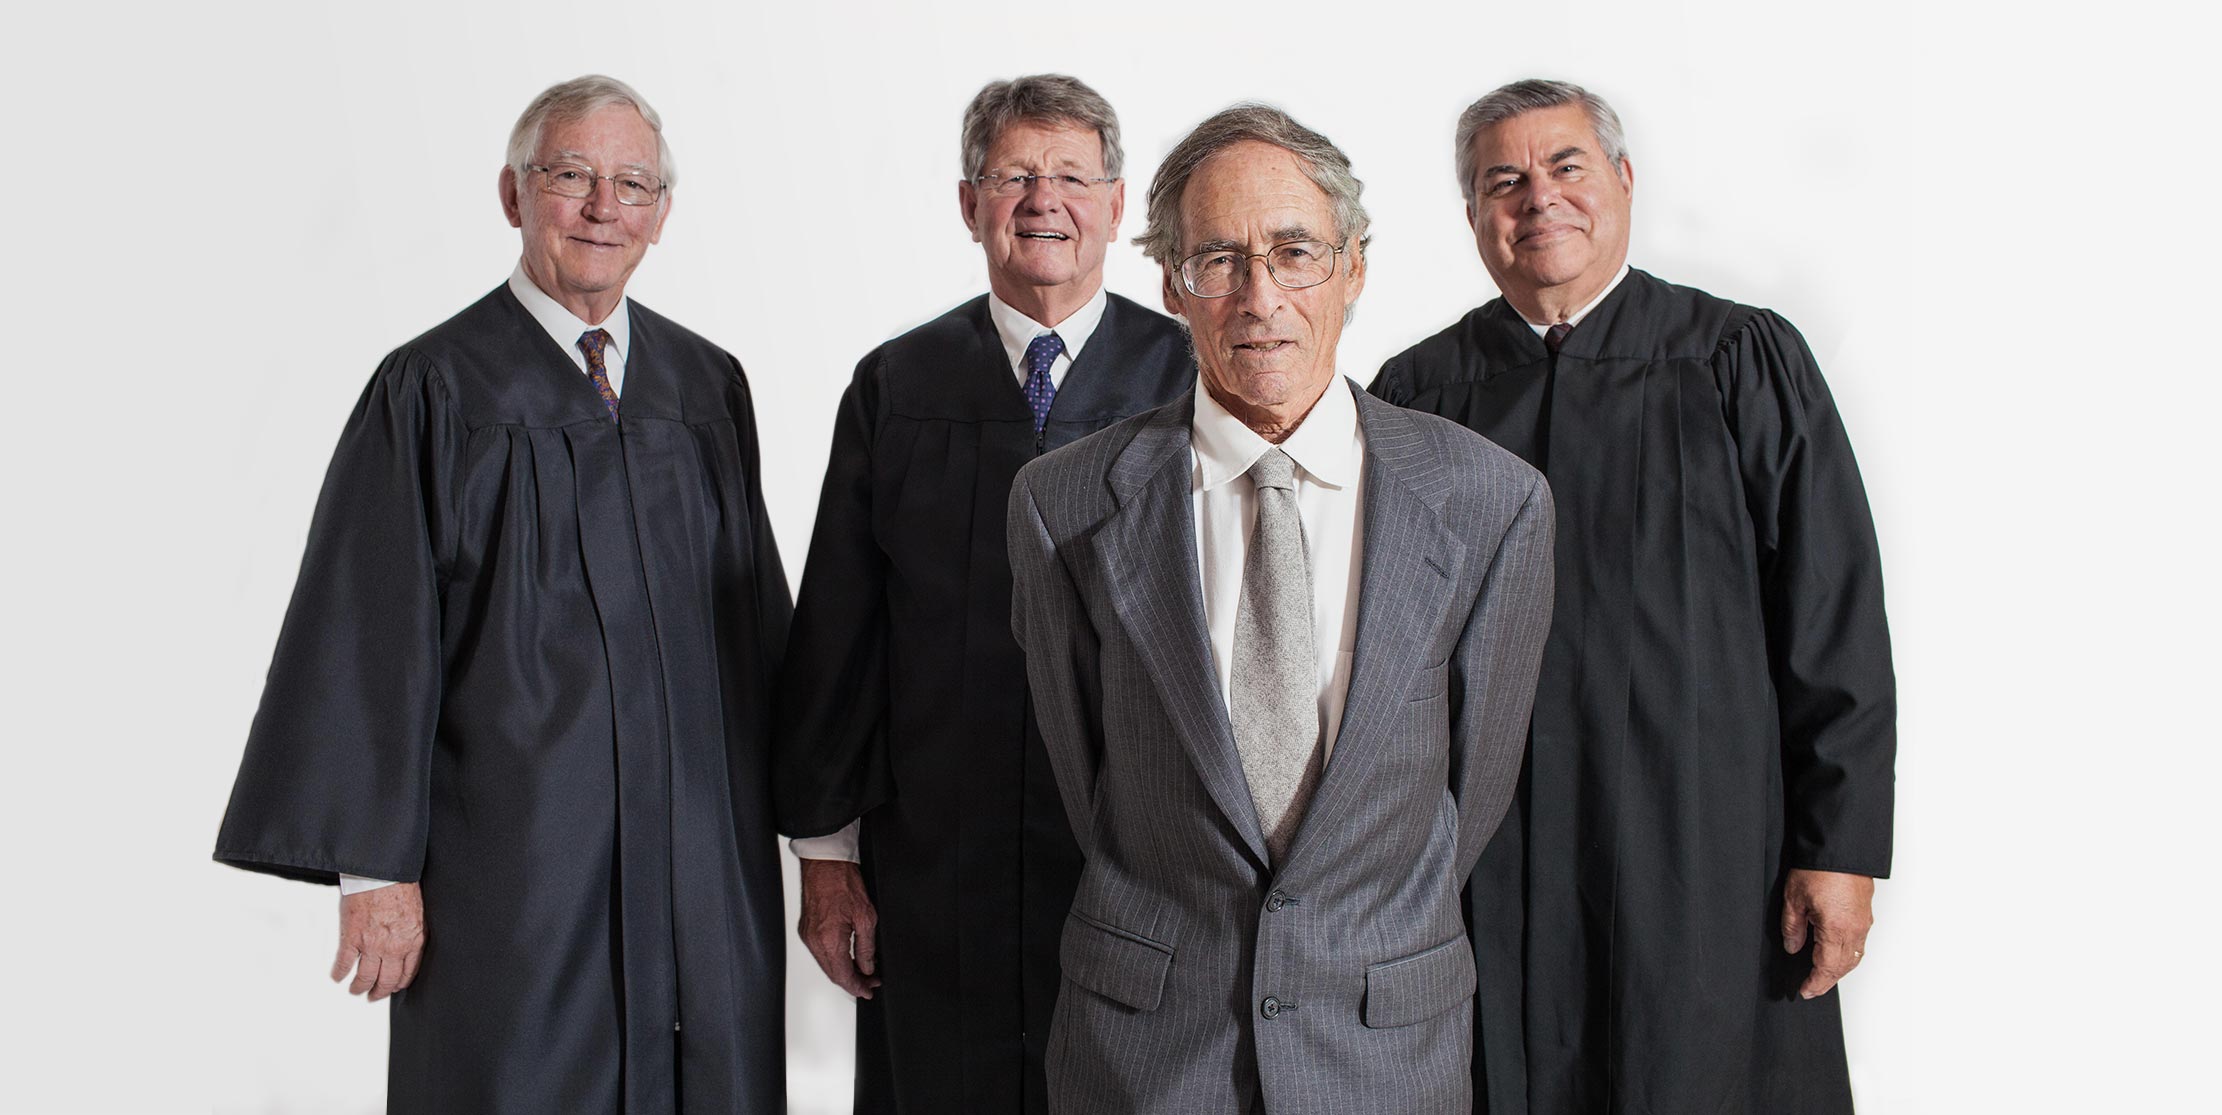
pixel 1282 639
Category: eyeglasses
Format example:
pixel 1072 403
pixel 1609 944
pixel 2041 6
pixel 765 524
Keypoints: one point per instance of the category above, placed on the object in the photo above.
pixel 1294 265
pixel 573 180
pixel 1013 185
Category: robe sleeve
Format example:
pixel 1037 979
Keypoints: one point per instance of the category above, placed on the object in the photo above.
pixel 1820 575
pixel 336 776
pixel 1393 383
pixel 830 761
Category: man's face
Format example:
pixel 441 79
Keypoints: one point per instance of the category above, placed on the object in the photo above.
pixel 1262 350
pixel 582 250
pixel 1040 238
pixel 1548 208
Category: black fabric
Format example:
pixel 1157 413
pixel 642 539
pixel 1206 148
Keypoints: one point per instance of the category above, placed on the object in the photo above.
pixel 529 664
pixel 1716 706
pixel 906 698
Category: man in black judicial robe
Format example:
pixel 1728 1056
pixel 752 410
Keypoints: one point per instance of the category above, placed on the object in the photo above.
pixel 1688 868
pixel 905 705
pixel 521 704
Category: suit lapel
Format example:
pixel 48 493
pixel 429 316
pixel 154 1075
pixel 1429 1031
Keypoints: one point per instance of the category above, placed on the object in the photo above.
pixel 1146 552
pixel 1410 564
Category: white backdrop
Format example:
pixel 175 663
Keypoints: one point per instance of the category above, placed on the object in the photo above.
pixel 222 215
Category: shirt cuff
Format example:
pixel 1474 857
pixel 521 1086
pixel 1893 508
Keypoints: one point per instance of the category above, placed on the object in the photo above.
pixel 356 884
pixel 838 845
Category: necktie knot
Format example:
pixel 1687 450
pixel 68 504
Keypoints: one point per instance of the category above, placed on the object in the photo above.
pixel 1042 352
pixel 1554 338
pixel 593 342
pixel 1274 470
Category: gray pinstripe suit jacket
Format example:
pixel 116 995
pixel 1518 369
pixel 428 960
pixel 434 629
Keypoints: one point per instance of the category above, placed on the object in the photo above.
pixel 1197 977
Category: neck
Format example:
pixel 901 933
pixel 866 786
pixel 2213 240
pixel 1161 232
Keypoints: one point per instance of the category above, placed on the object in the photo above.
pixel 1273 423
pixel 590 306
pixel 1049 305
pixel 1553 304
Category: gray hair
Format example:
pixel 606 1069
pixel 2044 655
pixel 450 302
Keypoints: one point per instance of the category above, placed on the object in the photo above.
pixel 577 99
pixel 1039 97
pixel 1323 162
pixel 1507 101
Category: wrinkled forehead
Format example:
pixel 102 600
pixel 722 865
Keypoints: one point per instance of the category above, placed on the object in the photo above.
pixel 1535 137
pixel 1253 195
pixel 608 138
pixel 1046 143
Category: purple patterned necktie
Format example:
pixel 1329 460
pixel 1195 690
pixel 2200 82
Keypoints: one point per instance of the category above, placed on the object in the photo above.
pixel 592 342
pixel 1040 354
pixel 1554 338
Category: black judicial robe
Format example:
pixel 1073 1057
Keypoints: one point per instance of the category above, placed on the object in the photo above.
pixel 1716 706
pixel 905 698
pixel 529 664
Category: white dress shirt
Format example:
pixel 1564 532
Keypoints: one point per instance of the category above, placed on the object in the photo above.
pixel 1016 331
pixel 1576 317
pixel 565 327
pixel 1329 449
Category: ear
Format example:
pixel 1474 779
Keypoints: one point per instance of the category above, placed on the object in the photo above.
pixel 1628 177
pixel 968 200
pixel 1357 280
pixel 1473 213
pixel 509 201
pixel 663 213
pixel 1118 205
pixel 1172 291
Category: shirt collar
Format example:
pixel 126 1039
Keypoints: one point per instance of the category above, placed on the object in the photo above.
pixel 1017 330
pixel 565 326
pixel 1576 317
pixel 1325 444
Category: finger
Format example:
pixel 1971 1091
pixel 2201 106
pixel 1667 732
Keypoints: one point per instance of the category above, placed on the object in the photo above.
pixel 867 945
pixel 1832 961
pixel 389 978
pixel 366 974
pixel 1793 925
pixel 831 952
pixel 409 961
pixel 345 961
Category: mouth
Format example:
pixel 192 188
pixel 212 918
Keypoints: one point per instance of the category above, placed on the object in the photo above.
pixel 1043 236
pixel 1263 348
pixel 594 243
pixel 1546 234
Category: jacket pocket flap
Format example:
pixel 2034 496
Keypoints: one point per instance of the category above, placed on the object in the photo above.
pixel 1418 987
pixel 1126 967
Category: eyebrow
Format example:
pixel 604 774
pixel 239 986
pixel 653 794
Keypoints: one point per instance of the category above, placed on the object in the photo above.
pixel 580 157
pixel 1559 156
pixel 1280 235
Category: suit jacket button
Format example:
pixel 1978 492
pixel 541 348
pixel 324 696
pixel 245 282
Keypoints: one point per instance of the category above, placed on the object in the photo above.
pixel 1271 1007
pixel 1274 903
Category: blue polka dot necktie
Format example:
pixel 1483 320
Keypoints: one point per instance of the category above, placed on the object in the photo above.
pixel 1040 391
pixel 593 342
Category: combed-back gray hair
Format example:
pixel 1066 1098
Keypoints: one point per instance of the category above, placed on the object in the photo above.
pixel 578 99
pixel 1507 101
pixel 1045 98
pixel 1323 162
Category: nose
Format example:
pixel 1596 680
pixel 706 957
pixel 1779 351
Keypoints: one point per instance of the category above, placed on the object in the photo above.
pixel 601 205
pixel 1260 297
pixel 1543 192
pixel 1039 196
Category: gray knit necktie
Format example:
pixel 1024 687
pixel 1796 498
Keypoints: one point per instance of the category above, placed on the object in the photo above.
pixel 1276 676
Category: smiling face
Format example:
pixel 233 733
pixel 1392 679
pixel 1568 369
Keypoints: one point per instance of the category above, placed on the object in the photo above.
pixel 1550 211
pixel 1265 353
pixel 1045 251
pixel 582 250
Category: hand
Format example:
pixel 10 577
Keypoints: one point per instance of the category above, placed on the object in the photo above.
pixel 839 925
pixel 1837 910
pixel 384 930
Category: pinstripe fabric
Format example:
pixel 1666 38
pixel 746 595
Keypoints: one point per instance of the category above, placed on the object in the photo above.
pixel 1199 979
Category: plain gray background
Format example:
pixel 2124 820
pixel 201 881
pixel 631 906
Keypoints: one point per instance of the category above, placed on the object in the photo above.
pixel 1991 223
